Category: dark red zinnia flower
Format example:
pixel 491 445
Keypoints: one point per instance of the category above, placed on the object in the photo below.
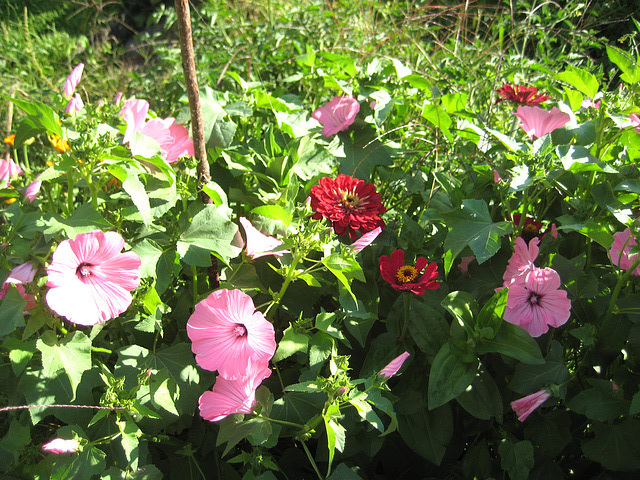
pixel 350 204
pixel 408 277
pixel 532 228
pixel 520 94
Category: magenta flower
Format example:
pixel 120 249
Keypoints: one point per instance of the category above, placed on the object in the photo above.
pixel 8 171
pixel 538 122
pixel 228 335
pixel 180 145
pixel 620 251
pixel 521 262
pixel 61 445
pixel 33 189
pixel 366 239
pixel 75 104
pixel 526 405
pixel 337 115
pixel 73 79
pixel 537 303
pixel 588 103
pixel 90 279
pixel 259 244
pixel 463 266
pixel 635 121
pixel 232 396
pixel 496 177
pixel 134 113
pixel 394 365
pixel 20 276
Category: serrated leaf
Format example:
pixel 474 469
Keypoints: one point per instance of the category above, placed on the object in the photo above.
pixel 582 80
pixel 11 310
pixel 291 343
pixel 615 446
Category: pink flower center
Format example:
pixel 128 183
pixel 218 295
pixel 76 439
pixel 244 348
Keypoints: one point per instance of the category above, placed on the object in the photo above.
pixel 534 298
pixel 84 271
pixel 239 330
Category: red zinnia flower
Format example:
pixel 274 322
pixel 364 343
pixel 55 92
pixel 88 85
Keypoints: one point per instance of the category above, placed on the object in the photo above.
pixel 350 204
pixel 521 94
pixel 405 277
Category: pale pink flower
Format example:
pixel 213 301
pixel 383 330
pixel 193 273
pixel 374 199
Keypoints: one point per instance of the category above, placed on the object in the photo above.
pixel 229 335
pixel 537 303
pixel 538 122
pixel 394 365
pixel 588 103
pixel 33 189
pixel 463 266
pixel 134 113
pixel 521 262
pixel 61 445
pixel 337 115
pixel 20 276
pixel 620 251
pixel 73 79
pixel 232 396
pixel 614 386
pixel 75 104
pixel 526 405
pixel 8 171
pixel 180 145
pixel 259 244
pixel 496 177
pixel 366 239
pixel 553 231
pixel 635 121
pixel 117 98
pixel 90 279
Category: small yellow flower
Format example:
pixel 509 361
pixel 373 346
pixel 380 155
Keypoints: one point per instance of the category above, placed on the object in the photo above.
pixel 58 143
pixel 10 139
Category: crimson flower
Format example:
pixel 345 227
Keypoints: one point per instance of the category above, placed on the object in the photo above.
pixel 526 405
pixel 521 94
pixel 337 115
pixel 537 303
pixel 405 277
pixel 350 204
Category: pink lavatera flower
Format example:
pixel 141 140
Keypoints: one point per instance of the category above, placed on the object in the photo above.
pixel 496 177
pixel 73 79
pixel 521 262
pixel 117 98
pixel 229 335
pixel 180 144
pixel 526 405
pixel 75 104
pixel 20 276
pixel 463 266
pixel 31 192
pixel 635 121
pixel 394 365
pixel 134 113
pixel 537 304
pixel 588 103
pixel 258 244
pixel 337 115
pixel 620 252
pixel 91 279
pixel 8 171
pixel 61 445
pixel 366 239
pixel 537 122
pixel 232 396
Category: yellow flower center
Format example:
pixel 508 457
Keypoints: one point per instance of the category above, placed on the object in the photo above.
pixel 349 200
pixel 406 274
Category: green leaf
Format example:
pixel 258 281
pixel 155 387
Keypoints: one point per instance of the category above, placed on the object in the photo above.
pixel 72 353
pixel 336 433
pixel 472 226
pixel 516 458
pixel 366 412
pixel 20 352
pixel 427 432
pixel 291 342
pixel 449 376
pixel 363 153
pixel 149 253
pixel 490 317
pixel 599 403
pixel 11 311
pixel 438 117
pixel 428 328
pixel 630 69
pixel 513 341
pixel 208 232
pixel 616 447
pixel 40 117
pixel 275 212
pixel 464 308
pixel 134 187
pixel 581 79
pixel 86 464
pixel 219 128
pixel 129 439
pixel 482 399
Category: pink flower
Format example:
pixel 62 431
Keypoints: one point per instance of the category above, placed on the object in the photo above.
pixel 90 279
pixel 588 103
pixel 463 266
pixel 635 121
pixel 73 79
pixel 521 262
pixel 496 177
pixel 620 251
pixel 75 104
pixel 61 445
pixel 259 244
pixel 32 190
pixel 337 115
pixel 538 122
pixel 526 405
pixel 614 386
pixel 117 98
pixel 537 303
pixel 19 276
pixel 366 239
pixel 134 112
pixel 228 335
pixel 394 365
pixel 8 170
pixel 180 145
pixel 232 396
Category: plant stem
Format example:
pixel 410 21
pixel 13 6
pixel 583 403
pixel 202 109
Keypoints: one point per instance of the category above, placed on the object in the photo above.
pixel 616 292
pixel 407 306
pixel 311 460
